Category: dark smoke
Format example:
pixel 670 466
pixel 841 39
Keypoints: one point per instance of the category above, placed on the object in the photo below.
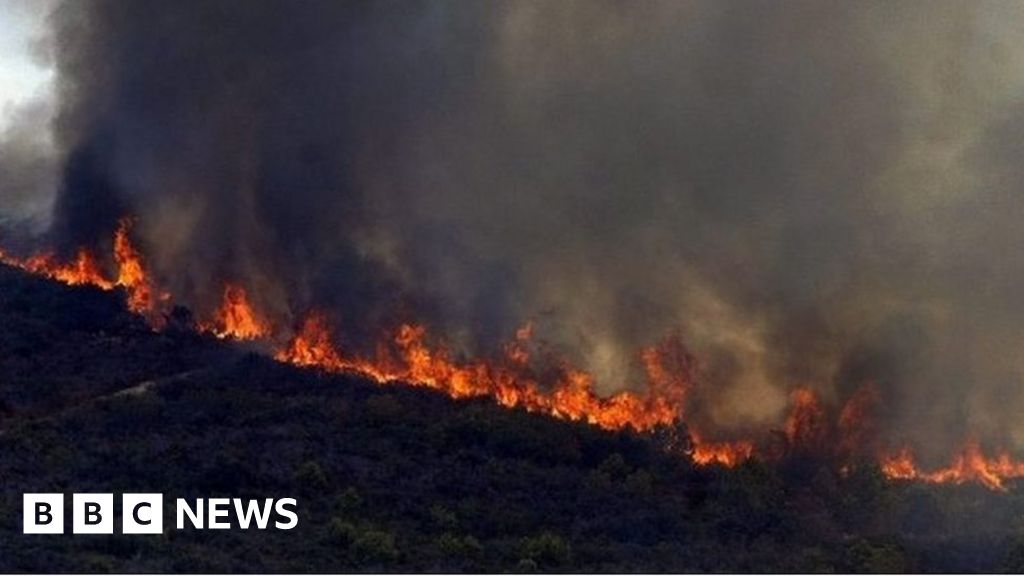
pixel 816 193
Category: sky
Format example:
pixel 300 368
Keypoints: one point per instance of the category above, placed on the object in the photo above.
pixel 23 71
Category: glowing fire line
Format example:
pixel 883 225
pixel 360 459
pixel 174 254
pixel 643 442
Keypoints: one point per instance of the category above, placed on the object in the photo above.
pixel 406 357
pixel 132 274
pixel 970 465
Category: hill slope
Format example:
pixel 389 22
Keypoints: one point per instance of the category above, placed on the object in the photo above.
pixel 397 478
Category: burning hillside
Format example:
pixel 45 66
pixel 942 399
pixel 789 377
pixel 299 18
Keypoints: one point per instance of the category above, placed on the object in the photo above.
pixel 723 252
pixel 758 223
pixel 89 392
pixel 86 269
pixel 409 356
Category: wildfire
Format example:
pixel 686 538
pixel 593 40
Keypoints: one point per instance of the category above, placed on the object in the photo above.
pixel 727 454
pixel 411 356
pixel 970 465
pixel 132 273
pixel 857 429
pixel 408 358
pixel 900 465
pixel 236 318
pixel 85 269
pixel 806 425
pixel 312 346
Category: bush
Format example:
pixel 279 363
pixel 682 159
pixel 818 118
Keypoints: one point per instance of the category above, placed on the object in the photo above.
pixel 546 549
pixel 348 502
pixel 311 477
pixel 527 566
pixel 455 548
pixel 374 547
pixel 868 557
pixel 341 532
pixel 443 518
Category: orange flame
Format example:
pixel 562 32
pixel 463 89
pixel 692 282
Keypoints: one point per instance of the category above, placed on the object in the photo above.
pixel 728 454
pixel 970 465
pixel 86 270
pixel 806 425
pixel 83 270
pixel 571 397
pixel 899 465
pixel 236 318
pixel 132 274
pixel 857 431
pixel 408 358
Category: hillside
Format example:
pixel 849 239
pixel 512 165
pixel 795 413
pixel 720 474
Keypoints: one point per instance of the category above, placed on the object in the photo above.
pixel 397 478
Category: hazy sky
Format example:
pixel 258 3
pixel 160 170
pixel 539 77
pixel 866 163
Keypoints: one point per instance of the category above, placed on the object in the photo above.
pixel 23 72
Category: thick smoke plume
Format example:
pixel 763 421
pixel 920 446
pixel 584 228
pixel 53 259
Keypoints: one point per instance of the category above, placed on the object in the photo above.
pixel 813 193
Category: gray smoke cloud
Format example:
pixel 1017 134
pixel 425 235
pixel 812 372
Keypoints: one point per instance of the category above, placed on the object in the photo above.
pixel 28 166
pixel 815 193
pixel 28 160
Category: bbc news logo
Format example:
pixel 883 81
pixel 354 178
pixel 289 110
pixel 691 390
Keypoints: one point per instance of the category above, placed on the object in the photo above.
pixel 144 513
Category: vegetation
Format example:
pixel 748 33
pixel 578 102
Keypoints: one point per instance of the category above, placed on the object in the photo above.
pixel 398 478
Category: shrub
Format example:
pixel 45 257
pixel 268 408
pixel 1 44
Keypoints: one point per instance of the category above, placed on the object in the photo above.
pixel 374 547
pixel 546 549
pixel 311 477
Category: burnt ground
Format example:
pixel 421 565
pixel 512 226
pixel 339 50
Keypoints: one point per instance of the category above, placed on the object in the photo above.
pixel 398 479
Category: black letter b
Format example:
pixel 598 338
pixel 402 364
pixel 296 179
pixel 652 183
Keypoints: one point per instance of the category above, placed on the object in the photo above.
pixel 92 514
pixel 43 510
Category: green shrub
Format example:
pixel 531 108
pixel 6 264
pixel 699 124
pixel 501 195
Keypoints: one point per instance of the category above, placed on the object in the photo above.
pixel 349 502
pixel 455 548
pixel 374 547
pixel 311 477
pixel 546 549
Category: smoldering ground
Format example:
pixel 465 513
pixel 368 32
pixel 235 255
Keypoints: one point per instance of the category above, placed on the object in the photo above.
pixel 814 193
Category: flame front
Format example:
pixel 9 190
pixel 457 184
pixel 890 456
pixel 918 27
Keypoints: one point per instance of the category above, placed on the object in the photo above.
pixel 407 355
pixel 806 425
pixel 858 433
pixel 969 465
pixel 132 274
pixel 727 454
pixel 83 270
pixel 236 318
pixel 409 359
pixel 86 270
